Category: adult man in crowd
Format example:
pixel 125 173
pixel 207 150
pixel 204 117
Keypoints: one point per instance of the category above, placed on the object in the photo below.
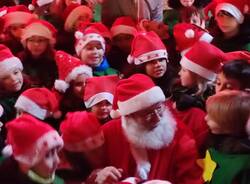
pixel 147 141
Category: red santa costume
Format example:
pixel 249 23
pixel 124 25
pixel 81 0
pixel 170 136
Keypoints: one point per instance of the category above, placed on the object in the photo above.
pixel 166 152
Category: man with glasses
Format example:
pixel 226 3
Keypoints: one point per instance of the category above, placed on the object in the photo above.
pixel 147 141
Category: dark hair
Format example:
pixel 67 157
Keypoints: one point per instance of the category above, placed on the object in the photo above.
pixel 238 70
pixel 176 4
pixel 186 13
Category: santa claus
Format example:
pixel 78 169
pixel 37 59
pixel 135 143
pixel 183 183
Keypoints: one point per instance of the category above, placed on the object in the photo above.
pixel 147 141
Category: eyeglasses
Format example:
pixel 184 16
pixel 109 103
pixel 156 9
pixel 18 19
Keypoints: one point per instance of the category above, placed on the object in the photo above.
pixel 157 108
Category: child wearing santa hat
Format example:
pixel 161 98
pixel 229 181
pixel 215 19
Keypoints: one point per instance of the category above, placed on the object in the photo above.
pixel 38 39
pixel 234 75
pixel 71 82
pixel 123 31
pixel 11 85
pixel 83 146
pixel 33 146
pixel 98 96
pixel 227 157
pixel 197 74
pixel 231 32
pixel 151 59
pixel 14 21
pixel 72 17
pixel 90 48
pixel 40 103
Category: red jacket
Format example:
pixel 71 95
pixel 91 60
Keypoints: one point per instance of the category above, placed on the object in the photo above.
pixel 175 163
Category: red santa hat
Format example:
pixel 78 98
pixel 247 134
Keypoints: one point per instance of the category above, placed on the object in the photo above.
pixel 72 13
pixel 39 28
pixel 98 89
pixel 134 94
pixel 8 62
pixel 69 68
pixel 29 140
pixel 235 7
pixel 38 3
pixel 76 136
pixel 186 35
pixel 39 102
pixel 203 59
pixel 17 15
pixel 123 25
pixel 104 31
pixel 153 48
pixel 88 35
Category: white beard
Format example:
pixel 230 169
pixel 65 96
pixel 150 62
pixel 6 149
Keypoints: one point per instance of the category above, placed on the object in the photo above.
pixel 161 136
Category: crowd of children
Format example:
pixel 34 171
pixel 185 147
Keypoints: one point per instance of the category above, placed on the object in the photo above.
pixel 64 76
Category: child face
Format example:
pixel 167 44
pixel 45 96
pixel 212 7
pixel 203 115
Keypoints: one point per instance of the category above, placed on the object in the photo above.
pixel 92 54
pixel 37 45
pixel 123 41
pixel 79 84
pixel 223 83
pixel 47 166
pixel 156 68
pixel 13 81
pixel 16 30
pixel 187 3
pixel 187 77
pixel 213 126
pixel 226 22
pixel 102 109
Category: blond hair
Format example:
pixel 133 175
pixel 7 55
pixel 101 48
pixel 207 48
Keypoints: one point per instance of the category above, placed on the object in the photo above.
pixel 230 110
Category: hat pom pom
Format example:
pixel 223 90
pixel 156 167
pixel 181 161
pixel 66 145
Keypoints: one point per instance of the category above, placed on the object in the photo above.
pixel 78 35
pixel 115 114
pixel 61 86
pixel 31 7
pixel 7 151
pixel 189 33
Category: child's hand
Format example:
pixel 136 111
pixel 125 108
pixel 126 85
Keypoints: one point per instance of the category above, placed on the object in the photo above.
pixel 108 175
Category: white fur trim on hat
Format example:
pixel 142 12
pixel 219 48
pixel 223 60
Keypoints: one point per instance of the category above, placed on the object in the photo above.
pixel 52 140
pixel 123 29
pixel 149 56
pixel 86 39
pixel 43 2
pixel 206 37
pixel 233 10
pixel 98 98
pixel 61 86
pixel 203 72
pixel 9 64
pixel 82 69
pixel 37 29
pixel 74 15
pixel 141 101
pixel 25 104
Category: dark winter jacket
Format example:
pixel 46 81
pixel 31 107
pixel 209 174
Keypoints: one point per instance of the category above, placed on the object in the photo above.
pixel 41 71
pixel 241 41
